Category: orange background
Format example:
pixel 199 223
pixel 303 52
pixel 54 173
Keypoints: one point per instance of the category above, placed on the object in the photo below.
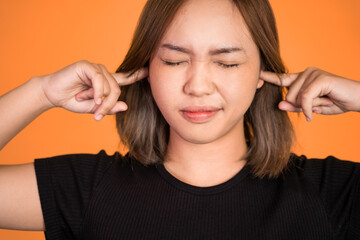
pixel 39 37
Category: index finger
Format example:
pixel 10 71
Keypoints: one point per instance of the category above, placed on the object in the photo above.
pixel 280 79
pixel 125 79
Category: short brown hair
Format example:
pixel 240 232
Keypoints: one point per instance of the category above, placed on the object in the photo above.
pixel 268 130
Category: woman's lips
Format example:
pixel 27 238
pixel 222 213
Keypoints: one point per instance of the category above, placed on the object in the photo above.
pixel 199 115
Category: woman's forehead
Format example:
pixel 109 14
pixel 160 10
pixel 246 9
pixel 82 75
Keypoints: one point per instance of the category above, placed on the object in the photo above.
pixel 208 24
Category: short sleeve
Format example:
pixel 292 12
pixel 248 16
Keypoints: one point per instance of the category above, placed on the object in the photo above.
pixel 338 184
pixel 66 184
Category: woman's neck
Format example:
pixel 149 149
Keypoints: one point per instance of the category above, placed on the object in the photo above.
pixel 206 164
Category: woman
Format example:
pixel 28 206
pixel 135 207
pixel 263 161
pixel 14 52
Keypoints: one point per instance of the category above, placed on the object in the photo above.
pixel 209 151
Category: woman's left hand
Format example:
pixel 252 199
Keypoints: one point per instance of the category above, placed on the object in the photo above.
pixel 315 90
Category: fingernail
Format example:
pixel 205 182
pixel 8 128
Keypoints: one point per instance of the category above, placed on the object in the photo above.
pixel 124 108
pixel 99 117
pixel 98 101
pixel 308 119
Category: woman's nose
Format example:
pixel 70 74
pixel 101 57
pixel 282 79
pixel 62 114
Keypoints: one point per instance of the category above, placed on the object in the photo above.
pixel 199 82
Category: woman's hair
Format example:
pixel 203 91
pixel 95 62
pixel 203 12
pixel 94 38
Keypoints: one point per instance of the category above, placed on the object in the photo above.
pixel 268 130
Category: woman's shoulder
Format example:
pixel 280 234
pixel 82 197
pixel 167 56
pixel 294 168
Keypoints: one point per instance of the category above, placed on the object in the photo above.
pixel 329 164
pixel 67 183
pixel 101 157
pixel 336 182
pixel 90 165
pixel 326 174
pixel 84 167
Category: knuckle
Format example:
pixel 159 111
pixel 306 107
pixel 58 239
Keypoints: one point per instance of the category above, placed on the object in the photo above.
pixel 98 75
pixel 131 74
pixel 115 94
pixel 326 78
pixel 287 98
pixel 311 76
pixel 310 69
pixel 107 91
pixel 96 66
pixel 319 73
pixel 290 97
pixel 102 66
pixel 84 61
pixel 117 91
pixel 299 101
pixel 304 96
pixel 107 107
pixel 114 84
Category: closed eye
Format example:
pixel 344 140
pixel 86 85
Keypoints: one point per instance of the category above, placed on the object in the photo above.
pixel 172 63
pixel 219 63
pixel 228 65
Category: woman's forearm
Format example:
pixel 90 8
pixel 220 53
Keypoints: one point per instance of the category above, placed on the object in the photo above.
pixel 19 107
pixel 72 88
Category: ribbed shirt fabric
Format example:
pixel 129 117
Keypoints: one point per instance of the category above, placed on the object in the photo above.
pixel 102 197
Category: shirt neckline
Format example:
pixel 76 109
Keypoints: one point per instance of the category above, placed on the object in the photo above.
pixel 202 190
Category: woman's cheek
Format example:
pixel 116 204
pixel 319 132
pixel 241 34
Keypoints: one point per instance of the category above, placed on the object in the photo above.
pixel 240 88
pixel 163 86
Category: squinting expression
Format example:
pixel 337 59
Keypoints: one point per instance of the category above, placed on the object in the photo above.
pixel 205 72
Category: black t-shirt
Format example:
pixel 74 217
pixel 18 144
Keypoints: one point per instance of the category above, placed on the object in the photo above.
pixel 97 196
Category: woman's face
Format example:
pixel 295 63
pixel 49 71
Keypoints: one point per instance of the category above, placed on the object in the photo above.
pixel 205 72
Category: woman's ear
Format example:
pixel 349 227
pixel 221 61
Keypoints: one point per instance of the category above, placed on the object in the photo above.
pixel 260 83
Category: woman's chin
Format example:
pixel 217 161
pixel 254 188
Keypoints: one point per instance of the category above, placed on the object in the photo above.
pixel 198 136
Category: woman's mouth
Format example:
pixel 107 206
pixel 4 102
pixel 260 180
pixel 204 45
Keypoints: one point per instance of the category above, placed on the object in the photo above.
pixel 199 114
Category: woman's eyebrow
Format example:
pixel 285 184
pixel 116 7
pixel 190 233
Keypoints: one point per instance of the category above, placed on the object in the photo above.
pixel 211 52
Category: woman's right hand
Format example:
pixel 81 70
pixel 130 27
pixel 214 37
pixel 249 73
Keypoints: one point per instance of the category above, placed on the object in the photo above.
pixel 85 87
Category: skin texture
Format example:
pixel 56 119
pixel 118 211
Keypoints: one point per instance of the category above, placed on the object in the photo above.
pixel 200 79
pixel 200 154
pixel 315 90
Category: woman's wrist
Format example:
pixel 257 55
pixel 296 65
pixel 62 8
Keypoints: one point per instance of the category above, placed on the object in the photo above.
pixel 356 95
pixel 358 98
pixel 42 99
